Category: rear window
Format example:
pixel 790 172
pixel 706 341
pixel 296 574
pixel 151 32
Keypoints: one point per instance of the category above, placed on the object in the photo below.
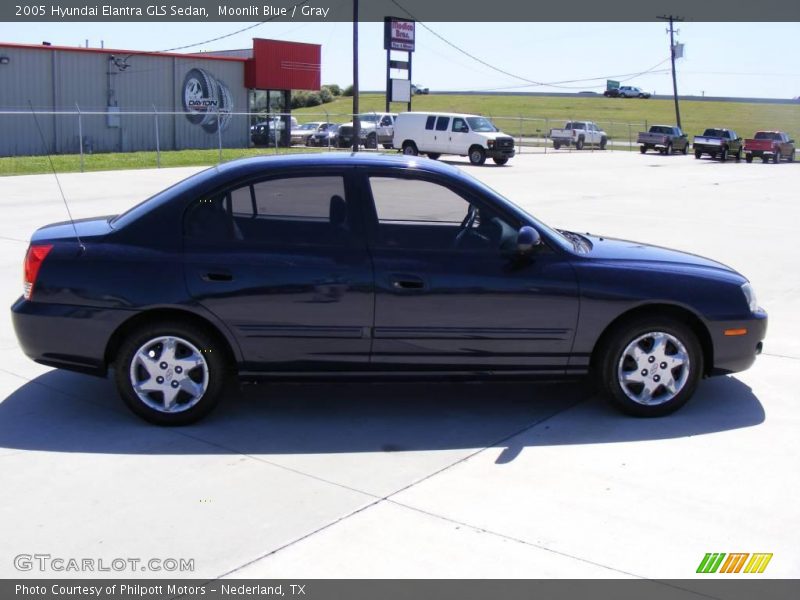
pixel 767 135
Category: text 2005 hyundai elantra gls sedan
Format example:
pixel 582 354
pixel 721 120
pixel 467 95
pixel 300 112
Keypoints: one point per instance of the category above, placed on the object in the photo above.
pixel 332 265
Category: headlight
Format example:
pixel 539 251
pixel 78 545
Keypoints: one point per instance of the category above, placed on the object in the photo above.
pixel 750 296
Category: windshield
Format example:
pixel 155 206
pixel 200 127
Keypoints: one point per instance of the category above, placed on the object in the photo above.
pixel 481 124
pixel 371 118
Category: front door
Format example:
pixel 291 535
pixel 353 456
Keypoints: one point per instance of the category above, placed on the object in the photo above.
pixel 452 294
pixel 283 262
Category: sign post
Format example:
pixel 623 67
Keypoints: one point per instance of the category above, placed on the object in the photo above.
pixel 398 35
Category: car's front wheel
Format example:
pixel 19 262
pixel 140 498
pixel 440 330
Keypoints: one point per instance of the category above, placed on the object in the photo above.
pixel 650 366
pixel 170 373
pixel 477 155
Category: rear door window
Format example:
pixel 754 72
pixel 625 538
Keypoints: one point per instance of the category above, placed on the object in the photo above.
pixel 442 123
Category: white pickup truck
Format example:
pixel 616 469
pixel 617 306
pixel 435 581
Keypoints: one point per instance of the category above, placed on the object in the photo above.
pixel 375 128
pixel 579 134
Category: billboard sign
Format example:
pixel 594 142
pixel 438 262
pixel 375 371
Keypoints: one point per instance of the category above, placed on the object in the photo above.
pixel 398 34
pixel 611 84
pixel 207 101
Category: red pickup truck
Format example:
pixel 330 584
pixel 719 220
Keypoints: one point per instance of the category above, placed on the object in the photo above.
pixel 769 145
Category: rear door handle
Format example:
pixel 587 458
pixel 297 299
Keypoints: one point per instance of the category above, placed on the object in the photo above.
pixel 218 276
pixel 407 282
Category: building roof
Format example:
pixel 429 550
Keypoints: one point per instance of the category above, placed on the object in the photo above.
pixel 194 56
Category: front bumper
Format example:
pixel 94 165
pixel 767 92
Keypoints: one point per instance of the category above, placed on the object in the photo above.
pixel 734 353
pixel 500 153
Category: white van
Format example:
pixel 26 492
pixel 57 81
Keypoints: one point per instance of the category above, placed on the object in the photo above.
pixel 435 134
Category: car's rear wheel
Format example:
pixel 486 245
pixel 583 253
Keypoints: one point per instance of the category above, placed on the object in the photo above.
pixel 556 145
pixel 651 366
pixel 685 149
pixel 170 373
pixel 477 155
pixel 748 158
pixel 410 149
pixel 500 160
pixel 777 157
pixel 791 156
pixel 738 155
pixel 372 141
pixel 668 149
pixel 433 155
pixel 697 154
pixel 723 156
pixel 603 142
pixel 642 149
pixel 579 144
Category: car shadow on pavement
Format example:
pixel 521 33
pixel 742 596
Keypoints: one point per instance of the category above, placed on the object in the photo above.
pixel 67 412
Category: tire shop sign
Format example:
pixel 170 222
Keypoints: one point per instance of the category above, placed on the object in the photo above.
pixel 207 101
pixel 398 34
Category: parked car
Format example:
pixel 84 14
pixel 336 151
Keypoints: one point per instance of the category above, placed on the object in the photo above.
pixel 435 134
pixel 302 133
pixel 717 141
pixel 328 135
pixel 627 91
pixel 664 138
pixel 768 145
pixel 367 264
pixel 579 134
pixel 374 128
pixel 417 90
pixel 264 133
pixel 611 93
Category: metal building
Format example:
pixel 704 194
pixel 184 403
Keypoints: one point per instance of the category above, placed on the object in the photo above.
pixel 109 100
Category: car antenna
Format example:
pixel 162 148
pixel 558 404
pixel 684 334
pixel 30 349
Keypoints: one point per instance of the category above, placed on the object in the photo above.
pixel 55 174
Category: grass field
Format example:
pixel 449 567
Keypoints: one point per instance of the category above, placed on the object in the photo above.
pixel 516 115
pixel 70 163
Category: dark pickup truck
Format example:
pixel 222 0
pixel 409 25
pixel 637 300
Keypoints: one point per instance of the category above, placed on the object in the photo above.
pixel 664 138
pixel 718 142
pixel 768 145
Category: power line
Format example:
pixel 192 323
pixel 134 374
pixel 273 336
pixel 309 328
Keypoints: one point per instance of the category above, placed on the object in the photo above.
pixel 529 82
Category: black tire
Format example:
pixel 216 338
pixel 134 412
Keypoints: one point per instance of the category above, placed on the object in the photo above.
pixel 433 155
pixel 663 151
pixel 477 155
pixel 723 156
pixel 500 160
pixel 579 144
pixel 668 149
pixel 738 155
pixel 791 156
pixel 556 145
pixel 748 158
pixel 612 360
pixel 410 148
pixel 697 154
pixel 603 142
pixel 777 157
pixel 217 372
pixel 642 149
pixel 372 141
pixel 764 158
pixel 685 150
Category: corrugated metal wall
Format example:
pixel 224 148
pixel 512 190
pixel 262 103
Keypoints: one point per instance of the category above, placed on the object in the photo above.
pixel 58 79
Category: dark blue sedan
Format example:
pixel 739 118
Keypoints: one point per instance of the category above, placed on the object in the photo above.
pixel 352 265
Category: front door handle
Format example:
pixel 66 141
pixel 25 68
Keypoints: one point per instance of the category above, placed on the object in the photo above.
pixel 407 282
pixel 218 276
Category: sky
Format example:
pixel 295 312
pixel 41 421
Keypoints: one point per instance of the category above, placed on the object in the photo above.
pixel 722 59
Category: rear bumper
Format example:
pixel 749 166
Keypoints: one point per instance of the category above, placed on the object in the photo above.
pixel 65 336
pixel 734 353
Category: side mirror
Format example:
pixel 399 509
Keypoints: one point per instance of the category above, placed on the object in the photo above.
pixel 527 238
pixel 791 141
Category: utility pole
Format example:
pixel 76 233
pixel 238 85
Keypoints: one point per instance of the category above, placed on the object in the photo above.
pixel 356 123
pixel 671 20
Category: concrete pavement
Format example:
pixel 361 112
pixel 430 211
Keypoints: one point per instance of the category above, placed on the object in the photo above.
pixel 428 480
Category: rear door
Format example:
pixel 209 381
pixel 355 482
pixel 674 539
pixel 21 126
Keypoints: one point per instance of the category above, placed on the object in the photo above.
pixel 450 293
pixel 283 262
pixel 441 135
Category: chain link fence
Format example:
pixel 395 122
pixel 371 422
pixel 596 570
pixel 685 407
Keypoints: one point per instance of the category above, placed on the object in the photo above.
pixel 152 135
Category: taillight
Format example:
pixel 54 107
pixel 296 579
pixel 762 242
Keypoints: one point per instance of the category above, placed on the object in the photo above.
pixel 33 262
